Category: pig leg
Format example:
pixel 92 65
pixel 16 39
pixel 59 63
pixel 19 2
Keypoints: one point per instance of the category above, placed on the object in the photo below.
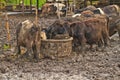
pixel 18 48
pixel 36 46
pixel 106 38
pixel 19 51
pixel 35 52
pixel 100 45
pixel 83 43
pixel 38 50
pixel 118 29
pixel 29 49
pixel 75 44
pixel 100 42
pixel 28 52
pixel 119 34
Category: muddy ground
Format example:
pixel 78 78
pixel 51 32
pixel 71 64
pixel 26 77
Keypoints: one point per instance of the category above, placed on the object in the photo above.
pixel 92 65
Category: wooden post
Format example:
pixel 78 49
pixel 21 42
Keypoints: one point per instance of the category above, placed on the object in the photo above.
pixel 74 5
pixel 39 33
pixel 37 4
pixel 36 16
pixel 85 3
pixel 0 5
pixel 0 19
pixel 23 7
pixel 58 12
pixel 7 27
pixel 90 2
pixel 31 6
pixel 66 3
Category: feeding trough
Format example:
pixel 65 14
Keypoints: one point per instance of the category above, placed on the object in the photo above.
pixel 56 48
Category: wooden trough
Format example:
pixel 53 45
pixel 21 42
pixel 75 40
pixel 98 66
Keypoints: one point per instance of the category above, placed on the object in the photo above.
pixel 56 48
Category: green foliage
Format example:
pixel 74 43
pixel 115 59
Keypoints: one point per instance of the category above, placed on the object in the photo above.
pixel 26 2
pixel 6 46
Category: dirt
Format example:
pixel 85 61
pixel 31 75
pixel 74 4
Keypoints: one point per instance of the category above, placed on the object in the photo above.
pixel 92 65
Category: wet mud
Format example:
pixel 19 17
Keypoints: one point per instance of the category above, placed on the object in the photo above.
pixel 92 65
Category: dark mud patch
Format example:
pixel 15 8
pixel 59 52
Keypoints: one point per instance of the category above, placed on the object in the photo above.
pixel 92 65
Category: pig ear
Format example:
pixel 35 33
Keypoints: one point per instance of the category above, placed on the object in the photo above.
pixel 26 21
pixel 34 22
